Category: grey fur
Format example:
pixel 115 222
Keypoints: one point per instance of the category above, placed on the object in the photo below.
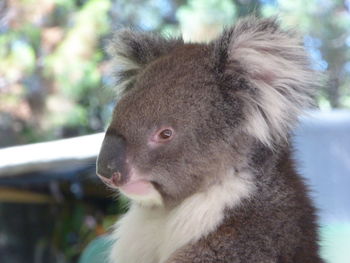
pixel 232 104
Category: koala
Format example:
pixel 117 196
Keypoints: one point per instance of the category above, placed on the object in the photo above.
pixel 199 142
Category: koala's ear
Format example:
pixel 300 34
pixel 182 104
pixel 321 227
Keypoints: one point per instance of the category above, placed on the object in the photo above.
pixel 276 68
pixel 132 51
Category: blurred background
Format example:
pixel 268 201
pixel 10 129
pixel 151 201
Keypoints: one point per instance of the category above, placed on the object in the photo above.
pixel 55 84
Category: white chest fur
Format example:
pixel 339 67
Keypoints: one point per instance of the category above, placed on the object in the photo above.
pixel 151 235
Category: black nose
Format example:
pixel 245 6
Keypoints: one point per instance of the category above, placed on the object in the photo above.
pixel 112 156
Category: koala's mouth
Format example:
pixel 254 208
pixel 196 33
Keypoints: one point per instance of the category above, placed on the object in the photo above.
pixel 141 187
pixel 132 187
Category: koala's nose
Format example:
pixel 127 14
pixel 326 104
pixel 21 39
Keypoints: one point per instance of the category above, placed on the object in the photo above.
pixel 111 162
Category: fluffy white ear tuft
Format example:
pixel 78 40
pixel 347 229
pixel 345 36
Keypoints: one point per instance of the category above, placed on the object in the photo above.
pixel 276 67
pixel 132 51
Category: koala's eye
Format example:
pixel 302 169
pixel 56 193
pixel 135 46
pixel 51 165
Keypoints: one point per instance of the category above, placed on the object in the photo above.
pixel 166 134
pixel 163 135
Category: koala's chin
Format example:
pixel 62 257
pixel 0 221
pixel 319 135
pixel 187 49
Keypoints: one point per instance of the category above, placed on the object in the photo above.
pixel 200 143
pixel 140 190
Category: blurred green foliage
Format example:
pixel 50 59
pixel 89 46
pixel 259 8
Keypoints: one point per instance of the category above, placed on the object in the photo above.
pixel 54 73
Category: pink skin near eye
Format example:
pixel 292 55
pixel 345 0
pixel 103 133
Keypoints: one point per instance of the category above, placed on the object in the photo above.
pixel 162 135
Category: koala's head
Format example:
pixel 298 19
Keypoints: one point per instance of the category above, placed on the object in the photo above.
pixel 189 113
